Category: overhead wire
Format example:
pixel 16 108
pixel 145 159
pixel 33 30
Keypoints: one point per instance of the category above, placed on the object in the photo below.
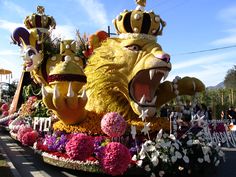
pixel 205 50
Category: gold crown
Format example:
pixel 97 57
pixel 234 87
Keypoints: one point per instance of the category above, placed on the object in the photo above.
pixel 39 20
pixel 139 21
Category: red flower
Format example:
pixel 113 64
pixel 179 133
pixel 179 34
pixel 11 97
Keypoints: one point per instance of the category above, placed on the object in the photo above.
pixel 22 130
pixel 5 113
pixel 115 158
pixel 5 107
pixel 29 138
pixel 80 147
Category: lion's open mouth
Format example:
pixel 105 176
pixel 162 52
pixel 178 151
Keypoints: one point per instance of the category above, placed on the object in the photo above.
pixel 143 86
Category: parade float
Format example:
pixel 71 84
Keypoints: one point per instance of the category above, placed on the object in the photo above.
pixel 102 97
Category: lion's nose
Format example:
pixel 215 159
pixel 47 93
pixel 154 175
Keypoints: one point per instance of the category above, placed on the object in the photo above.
pixel 164 57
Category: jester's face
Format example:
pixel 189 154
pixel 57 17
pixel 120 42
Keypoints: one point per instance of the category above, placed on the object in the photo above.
pixel 32 58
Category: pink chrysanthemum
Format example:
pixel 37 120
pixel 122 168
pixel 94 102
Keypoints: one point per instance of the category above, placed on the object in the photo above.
pixel 115 158
pixel 113 124
pixel 22 130
pixel 29 138
pixel 5 107
pixel 80 147
pixel 5 113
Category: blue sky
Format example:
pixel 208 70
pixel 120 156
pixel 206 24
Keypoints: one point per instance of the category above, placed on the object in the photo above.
pixel 192 25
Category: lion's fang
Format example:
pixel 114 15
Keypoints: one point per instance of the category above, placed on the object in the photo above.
pixel 44 91
pixel 165 75
pixel 70 92
pixel 84 95
pixel 154 100
pixel 142 100
pixel 56 93
pixel 151 73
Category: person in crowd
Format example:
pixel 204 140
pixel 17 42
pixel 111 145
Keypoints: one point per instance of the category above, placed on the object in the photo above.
pixel 164 111
pixel 209 111
pixel 231 114
pixel 203 111
pixel 187 111
pixel 223 115
pixel 196 108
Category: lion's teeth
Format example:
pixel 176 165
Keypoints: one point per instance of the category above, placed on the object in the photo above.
pixel 44 91
pixel 70 92
pixel 84 95
pixel 154 100
pixel 142 100
pixel 56 93
pixel 151 73
pixel 165 75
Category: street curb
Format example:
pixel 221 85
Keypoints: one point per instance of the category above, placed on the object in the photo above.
pixel 9 163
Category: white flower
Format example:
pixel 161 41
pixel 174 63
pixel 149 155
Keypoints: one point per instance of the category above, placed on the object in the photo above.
pixel 176 145
pixel 154 161
pixel 142 152
pixel 133 131
pixel 180 168
pixel 189 142
pixel 164 157
pixel 172 149
pixel 186 159
pixel 147 168
pixel 221 153
pixel 196 142
pixel 172 137
pixel 149 146
pixel 165 135
pixel 173 159
pixel 159 135
pixel 217 163
pixel 139 163
pixel 185 151
pixel 134 158
pixel 142 156
pixel 178 154
pixel 205 149
pixel 155 153
pixel 207 158
pixel 200 160
pixel 161 173
pixel 153 175
pixel 165 144
pixel 199 134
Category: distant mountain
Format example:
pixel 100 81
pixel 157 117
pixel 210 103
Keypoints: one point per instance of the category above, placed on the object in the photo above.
pixel 218 86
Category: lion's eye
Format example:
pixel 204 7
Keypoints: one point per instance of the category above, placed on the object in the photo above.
pixel 134 47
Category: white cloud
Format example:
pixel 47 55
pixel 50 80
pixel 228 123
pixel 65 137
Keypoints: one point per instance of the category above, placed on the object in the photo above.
pixel 228 14
pixel 229 40
pixel 8 52
pixel 64 32
pixel 203 60
pixel 9 26
pixel 16 8
pixel 211 69
pixel 96 12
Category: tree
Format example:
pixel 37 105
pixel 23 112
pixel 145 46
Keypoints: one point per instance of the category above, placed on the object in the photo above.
pixel 230 78
pixel 8 90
